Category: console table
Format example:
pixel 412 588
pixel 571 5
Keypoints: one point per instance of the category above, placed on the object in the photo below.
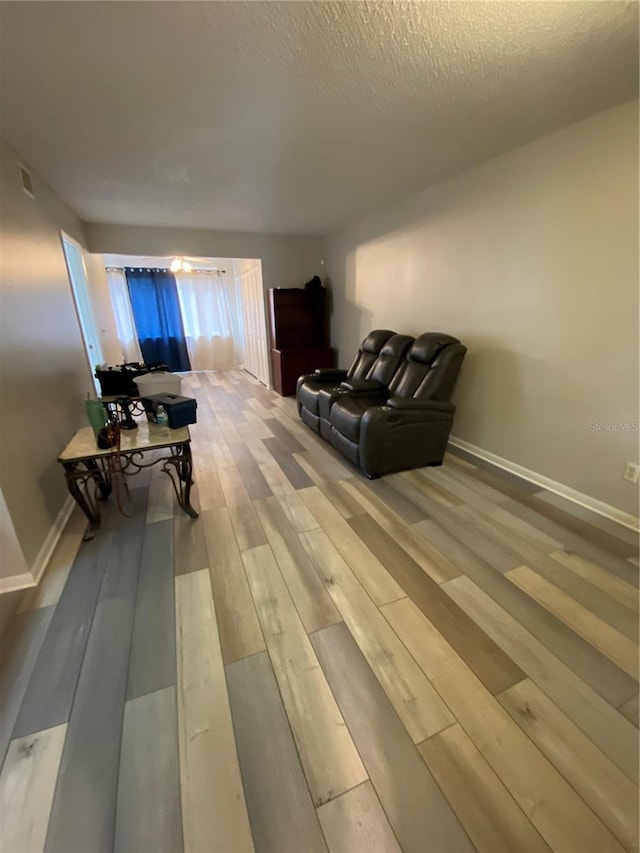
pixel 88 469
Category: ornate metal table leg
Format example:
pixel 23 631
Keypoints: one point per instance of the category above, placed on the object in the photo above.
pixel 102 477
pixel 181 476
pixel 86 500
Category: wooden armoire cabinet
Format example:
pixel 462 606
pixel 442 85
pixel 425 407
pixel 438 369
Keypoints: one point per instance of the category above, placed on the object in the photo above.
pixel 299 335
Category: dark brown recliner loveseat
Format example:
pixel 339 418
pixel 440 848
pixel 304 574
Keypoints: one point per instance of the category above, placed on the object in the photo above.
pixel 399 421
pixel 377 359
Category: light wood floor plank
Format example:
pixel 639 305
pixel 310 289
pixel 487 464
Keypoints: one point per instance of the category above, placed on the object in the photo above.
pixel 414 699
pixel 233 487
pixel 280 809
pixel 27 784
pixel 214 813
pixel 560 526
pixel 252 441
pixel 298 515
pixel 237 622
pixel 486 809
pixel 613 734
pixel 189 547
pixel 355 821
pixel 557 812
pixel 161 497
pixel 207 481
pixel 365 565
pixel 419 814
pixel 346 505
pixel 582 591
pixel 458 475
pixel 611 795
pixel 312 602
pixel 435 564
pixel 256 425
pixel 610 642
pixel 228 427
pixel 148 814
pixel 587 662
pixel 330 760
pixel 460 487
pixel 421 485
pixel 486 659
pixel 630 710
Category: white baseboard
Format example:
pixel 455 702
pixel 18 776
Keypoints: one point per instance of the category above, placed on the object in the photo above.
pixel 599 507
pixel 32 578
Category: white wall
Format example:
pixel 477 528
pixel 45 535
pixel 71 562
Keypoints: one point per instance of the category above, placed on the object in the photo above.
pixel 286 261
pixel 532 260
pixel 44 374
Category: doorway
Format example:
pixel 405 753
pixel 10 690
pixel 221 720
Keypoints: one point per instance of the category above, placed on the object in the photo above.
pixel 222 305
pixel 80 290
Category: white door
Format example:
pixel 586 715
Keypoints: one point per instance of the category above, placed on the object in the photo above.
pixel 80 290
pixel 256 349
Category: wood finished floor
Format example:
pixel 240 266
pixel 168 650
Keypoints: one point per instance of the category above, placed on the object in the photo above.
pixel 440 660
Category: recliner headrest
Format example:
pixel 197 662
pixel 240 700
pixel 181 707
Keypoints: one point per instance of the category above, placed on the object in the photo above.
pixel 427 347
pixel 375 340
pixel 397 345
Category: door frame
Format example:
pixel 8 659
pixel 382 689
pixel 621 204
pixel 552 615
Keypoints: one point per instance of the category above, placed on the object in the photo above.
pixel 83 321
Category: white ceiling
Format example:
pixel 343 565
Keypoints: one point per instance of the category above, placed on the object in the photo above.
pixel 292 117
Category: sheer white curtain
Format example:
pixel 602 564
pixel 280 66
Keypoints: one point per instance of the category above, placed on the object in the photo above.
pixel 207 318
pixel 125 326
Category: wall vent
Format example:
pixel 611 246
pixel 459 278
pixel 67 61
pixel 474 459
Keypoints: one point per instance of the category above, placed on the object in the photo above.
pixel 26 180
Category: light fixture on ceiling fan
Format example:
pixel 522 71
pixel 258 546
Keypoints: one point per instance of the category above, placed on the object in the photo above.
pixel 180 265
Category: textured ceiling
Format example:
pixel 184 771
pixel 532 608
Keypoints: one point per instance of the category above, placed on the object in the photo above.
pixel 292 117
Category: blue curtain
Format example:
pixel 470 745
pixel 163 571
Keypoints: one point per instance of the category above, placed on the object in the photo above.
pixel 156 313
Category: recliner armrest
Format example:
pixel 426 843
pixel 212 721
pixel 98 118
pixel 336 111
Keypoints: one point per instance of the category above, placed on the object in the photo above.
pixel 363 386
pixel 330 373
pixel 415 404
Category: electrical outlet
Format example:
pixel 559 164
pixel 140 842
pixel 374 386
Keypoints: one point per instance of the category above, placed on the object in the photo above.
pixel 631 472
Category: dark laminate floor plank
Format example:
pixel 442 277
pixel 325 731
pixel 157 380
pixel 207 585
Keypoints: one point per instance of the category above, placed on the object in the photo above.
pixel 622 618
pixel 251 475
pixel 476 540
pixel 281 812
pixel 575 534
pixel 237 621
pixel 189 549
pixel 421 817
pixel 397 502
pixel 291 444
pixel 123 557
pixel 148 813
pixel 52 685
pixel 153 650
pixel 499 478
pixel 622 540
pixel 298 478
pixel 20 649
pixel 605 677
pixel 482 655
pixel 84 804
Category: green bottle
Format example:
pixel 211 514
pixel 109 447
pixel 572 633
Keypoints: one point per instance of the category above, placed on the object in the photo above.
pixel 97 415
